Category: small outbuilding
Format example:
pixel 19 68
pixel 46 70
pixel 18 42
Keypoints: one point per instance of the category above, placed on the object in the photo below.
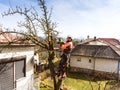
pixel 16 63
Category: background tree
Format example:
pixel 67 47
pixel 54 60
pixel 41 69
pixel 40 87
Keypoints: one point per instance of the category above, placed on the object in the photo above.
pixel 34 23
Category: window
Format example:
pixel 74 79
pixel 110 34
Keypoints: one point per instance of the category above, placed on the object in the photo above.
pixel 79 59
pixel 90 61
pixel 19 69
pixel 11 70
pixel 6 76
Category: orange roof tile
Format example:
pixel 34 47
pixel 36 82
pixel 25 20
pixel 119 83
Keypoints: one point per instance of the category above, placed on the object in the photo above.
pixel 8 37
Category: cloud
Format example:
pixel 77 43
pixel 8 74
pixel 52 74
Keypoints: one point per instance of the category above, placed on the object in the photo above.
pixel 79 18
pixel 99 18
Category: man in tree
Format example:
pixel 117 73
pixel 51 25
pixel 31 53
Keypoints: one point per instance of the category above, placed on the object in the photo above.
pixel 33 23
pixel 65 57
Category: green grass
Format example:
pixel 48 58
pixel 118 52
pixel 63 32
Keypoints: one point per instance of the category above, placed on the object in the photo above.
pixel 46 84
pixel 82 82
pixel 76 81
pixel 43 88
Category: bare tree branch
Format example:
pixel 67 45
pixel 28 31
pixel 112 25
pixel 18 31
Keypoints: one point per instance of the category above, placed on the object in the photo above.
pixel 34 23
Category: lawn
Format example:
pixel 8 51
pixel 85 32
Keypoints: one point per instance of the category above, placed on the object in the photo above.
pixel 77 81
pixel 82 82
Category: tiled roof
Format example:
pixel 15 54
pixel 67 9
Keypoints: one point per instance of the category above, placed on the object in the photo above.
pixel 6 38
pixel 95 51
pixel 113 43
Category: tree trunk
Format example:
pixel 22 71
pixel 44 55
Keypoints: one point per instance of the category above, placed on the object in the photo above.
pixel 59 83
pixel 51 66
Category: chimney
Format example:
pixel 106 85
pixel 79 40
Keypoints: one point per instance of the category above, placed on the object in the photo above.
pixel 88 37
pixel 0 28
pixel 94 38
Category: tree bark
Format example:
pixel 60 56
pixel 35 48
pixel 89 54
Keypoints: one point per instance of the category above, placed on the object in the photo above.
pixel 51 66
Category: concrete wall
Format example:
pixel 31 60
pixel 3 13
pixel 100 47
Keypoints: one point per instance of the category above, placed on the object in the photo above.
pixel 106 65
pixel 98 64
pixel 83 63
pixel 24 83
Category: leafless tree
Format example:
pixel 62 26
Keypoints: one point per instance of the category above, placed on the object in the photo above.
pixel 33 23
pixel 108 84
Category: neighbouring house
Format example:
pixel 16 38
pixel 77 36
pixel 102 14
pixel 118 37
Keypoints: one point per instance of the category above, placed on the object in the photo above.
pixel 16 63
pixel 112 42
pixel 98 55
pixel 87 58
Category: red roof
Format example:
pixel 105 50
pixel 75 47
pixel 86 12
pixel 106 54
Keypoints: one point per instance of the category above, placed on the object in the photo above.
pixel 8 37
pixel 112 42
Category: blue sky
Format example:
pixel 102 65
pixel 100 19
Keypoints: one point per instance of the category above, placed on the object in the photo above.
pixel 76 18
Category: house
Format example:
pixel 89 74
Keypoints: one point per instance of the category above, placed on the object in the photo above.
pixel 97 55
pixel 88 58
pixel 16 65
pixel 112 42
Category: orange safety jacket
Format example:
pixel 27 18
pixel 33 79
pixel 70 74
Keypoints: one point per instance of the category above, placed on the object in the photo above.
pixel 66 45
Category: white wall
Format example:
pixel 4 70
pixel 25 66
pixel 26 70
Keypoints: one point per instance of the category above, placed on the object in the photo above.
pixel 106 65
pixel 84 63
pixel 25 82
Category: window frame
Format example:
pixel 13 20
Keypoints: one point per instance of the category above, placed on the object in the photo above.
pixel 90 60
pixel 24 69
pixel 79 59
pixel 13 60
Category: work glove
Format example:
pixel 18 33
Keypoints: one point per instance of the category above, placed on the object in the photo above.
pixel 68 64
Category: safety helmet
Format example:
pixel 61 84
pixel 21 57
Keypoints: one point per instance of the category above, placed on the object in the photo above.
pixel 69 39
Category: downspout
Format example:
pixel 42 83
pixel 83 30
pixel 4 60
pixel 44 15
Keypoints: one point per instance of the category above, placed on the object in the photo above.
pixel 94 64
pixel 14 81
pixel 118 69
